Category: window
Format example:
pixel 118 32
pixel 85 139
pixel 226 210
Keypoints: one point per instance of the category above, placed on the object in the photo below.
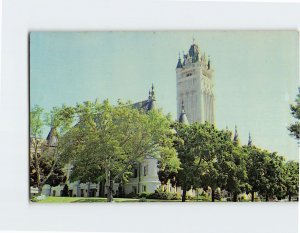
pixel 144 188
pixel 82 193
pixel 54 193
pixel 134 173
pixel 145 170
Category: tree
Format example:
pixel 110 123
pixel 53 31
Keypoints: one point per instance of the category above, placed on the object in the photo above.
pixel 237 179
pixel 116 138
pixel 292 179
pixel 45 167
pixel 215 159
pixel 256 165
pixel 295 110
pixel 274 176
pixel 204 156
pixel 186 174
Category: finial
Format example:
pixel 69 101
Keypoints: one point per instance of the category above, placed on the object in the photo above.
pixel 152 92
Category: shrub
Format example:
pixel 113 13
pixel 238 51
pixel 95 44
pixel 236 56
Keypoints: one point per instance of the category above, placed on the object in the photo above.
pixel 164 196
pixel 144 195
pixel 131 195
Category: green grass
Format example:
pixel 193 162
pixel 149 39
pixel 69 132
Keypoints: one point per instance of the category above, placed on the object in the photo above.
pixel 96 199
pixel 102 199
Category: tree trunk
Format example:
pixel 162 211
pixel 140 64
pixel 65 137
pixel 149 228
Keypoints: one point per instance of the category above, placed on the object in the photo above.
pixel 235 197
pixel 183 194
pixel 212 195
pixel 89 189
pixel 110 192
pixel 37 168
pixel 252 196
pixel 109 186
pixel 290 197
pixel 267 198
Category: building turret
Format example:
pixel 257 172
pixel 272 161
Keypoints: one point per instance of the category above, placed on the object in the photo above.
pixel 52 139
pixel 151 104
pixel 194 52
pixel 183 118
pixel 179 64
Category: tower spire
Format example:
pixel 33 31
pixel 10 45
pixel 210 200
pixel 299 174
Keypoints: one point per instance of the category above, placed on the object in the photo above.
pixel 249 140
pixel 236 136
pixel 179 63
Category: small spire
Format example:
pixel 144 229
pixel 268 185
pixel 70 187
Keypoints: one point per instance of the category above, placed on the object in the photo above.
pixel 149 95
pixel 236 136
pixel 249 140
pixel 179 64
pixel 208 63
pixel 152 92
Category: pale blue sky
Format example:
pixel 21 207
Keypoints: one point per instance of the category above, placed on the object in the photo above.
pixel 256 74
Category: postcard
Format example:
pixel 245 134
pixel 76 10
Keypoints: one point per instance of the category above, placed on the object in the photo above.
pixel 164 116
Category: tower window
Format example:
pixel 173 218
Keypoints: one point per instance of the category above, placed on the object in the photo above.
pixel 145 170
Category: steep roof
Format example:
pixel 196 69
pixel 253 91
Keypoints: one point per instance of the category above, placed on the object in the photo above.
pixel 52 137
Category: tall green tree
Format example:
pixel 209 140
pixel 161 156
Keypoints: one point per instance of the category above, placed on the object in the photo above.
pixel 274 174
pixel 116 138
pixel 204 154
pixel 256 166
pixel 292 179
pixel 45 167
pixel 215 159
pixel 295 110
pixel 237 178
pixel 185 177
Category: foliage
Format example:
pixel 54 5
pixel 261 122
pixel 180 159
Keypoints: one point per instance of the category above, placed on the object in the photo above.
pixel 163 196
pixel 107 141
pixel 292 179
pixel 44 165
pixel 295 111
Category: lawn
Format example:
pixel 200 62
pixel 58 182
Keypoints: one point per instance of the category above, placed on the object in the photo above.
pixel 95 199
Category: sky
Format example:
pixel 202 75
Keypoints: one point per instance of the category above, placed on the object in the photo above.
pixel 256 75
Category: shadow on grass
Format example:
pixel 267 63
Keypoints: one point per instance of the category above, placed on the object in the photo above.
pixel 88 200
